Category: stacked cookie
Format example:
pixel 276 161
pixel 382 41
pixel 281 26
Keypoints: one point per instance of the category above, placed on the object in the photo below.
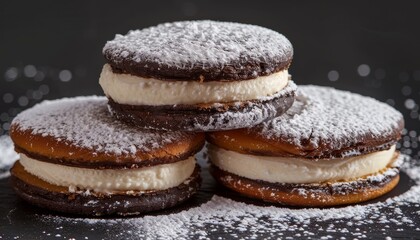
pixel 331 148
pixel 133 151
pixel 75 157
pixel 198 76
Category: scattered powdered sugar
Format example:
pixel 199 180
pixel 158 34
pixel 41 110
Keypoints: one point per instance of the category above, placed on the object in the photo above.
pixel 85 122
pixel 205 44
pixel 225 218
pixel 7 155
pixel 228 219
pixel 335 118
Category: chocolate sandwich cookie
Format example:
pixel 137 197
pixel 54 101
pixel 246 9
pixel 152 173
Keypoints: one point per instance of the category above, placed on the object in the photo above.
pixel 76 158
pixel 331 148
pixel 198 76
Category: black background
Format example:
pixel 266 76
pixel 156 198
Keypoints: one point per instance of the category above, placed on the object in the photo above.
pixel 40 39
pixel 52 49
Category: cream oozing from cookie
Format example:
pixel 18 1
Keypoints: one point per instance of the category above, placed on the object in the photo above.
pixel 299 170
pixel 135 90
pixel 159 177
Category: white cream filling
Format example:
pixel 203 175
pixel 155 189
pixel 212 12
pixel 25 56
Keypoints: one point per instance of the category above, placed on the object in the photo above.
pixel 134 90
pixel 159 177
pixel 298 170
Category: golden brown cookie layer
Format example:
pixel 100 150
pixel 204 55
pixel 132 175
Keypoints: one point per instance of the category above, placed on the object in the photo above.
pixel 322 123
pixel 81 132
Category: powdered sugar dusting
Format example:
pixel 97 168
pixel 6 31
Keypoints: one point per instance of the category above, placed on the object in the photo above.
pixel 85 122
pixel 7 155
pixel 323 115
pixel 204 44
pixel 237 220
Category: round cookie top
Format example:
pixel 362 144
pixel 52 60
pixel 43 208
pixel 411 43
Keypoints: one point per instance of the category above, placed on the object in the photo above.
pixel 200 50
pixel 324 123
pixel 81 132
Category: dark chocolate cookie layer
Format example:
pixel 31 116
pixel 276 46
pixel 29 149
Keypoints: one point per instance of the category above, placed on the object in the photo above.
pixel 202 117
pixel 97 205
pixel 200 50
pixel 311 195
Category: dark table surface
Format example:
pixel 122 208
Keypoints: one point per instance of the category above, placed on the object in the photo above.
pixel 19 220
